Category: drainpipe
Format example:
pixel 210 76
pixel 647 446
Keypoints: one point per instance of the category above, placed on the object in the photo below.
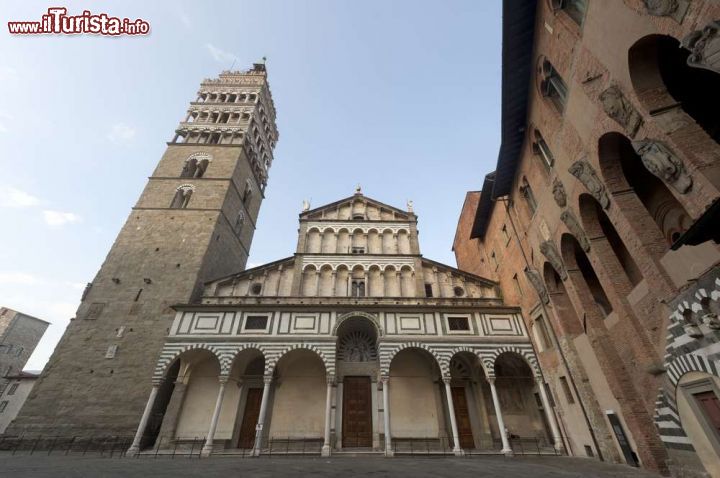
pixel 555 339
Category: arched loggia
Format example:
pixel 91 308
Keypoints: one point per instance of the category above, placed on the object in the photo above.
pixel 656 216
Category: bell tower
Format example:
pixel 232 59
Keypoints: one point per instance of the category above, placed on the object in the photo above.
pixel 193 222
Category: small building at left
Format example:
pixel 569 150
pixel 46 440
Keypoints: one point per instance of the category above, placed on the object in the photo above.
pixel 19 335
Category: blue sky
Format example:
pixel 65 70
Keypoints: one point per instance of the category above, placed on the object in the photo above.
pixel 400 96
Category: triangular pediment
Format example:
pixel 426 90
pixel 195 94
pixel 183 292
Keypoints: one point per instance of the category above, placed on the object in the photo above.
pixel 357 202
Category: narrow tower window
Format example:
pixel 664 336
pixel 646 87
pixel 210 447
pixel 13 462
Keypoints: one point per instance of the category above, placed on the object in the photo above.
pixel 196 165
pixel 247 193
pixel 553 86
pixel 527 194
pixel 541 148
pixel 182 197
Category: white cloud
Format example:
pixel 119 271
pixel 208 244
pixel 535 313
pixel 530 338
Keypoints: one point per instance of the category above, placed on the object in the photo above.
pixel 3 128
pixel 62 309
pixel 121 133
pixel 60 218
pixel 18 278
pixel 13 197
pixel 219 55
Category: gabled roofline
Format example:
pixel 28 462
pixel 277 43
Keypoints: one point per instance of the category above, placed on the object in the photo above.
pixel 461 272
pixel 349 198
pixel 253 269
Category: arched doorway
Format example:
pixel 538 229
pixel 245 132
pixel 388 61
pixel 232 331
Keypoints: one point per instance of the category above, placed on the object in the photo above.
pixel 472 403
pixel 195 398
pixel 357 368
pixel 521 405
pixel 247 371
pixel 697 397
pixel 415 378
pixel 160 406
pixel 298 399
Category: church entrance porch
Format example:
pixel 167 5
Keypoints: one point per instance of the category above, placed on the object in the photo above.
pixel 357 412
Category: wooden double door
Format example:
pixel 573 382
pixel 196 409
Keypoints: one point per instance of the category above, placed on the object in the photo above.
pixel 357 412
pixel 250 418
pixel 462 417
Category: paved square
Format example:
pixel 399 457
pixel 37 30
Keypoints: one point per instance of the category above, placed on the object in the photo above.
pixel 41 465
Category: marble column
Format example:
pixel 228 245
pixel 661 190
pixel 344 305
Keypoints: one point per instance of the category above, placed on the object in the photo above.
pixel 453 421
pixel 557 438
pixel 135 447
pixel 386 416
pixel 498 414
pixel 328 408
pixel 208 447
pixel 261 416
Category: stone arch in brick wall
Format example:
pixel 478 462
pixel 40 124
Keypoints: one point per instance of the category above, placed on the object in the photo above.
pixel 648 204
pixel 681 99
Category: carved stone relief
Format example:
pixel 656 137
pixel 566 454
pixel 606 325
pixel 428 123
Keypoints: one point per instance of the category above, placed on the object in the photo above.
pixel 620 109
pixel 559 193
pixel 582 170
pixel 663 163
pixel 551 253
pixel 704 46
pixel 675 9
pixel 576 229
pixel 536 280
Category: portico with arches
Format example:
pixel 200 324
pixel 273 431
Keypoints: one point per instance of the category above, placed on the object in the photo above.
pixel 369 347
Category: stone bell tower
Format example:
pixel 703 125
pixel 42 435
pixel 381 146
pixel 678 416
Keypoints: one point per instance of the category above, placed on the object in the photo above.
pixel 194 222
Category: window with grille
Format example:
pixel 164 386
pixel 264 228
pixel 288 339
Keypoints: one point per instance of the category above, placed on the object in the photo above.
pixel 458 323
pixel 256 322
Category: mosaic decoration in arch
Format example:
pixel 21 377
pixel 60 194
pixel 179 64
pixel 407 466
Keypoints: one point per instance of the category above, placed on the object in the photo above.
pixel 372 318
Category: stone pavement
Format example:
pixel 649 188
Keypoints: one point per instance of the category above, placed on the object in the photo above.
pixel 40 465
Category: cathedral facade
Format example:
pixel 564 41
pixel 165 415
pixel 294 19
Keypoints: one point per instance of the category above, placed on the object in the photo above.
pixel 354 342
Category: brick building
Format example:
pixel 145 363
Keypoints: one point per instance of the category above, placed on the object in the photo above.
pixel 600 221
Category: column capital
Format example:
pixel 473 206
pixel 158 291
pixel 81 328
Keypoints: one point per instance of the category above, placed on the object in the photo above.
pixel 156 382
pixel 330 379
pixel 267 379
pixel 539 380
pixel 447 380
pixel 491 380
pixel 223 379
pixel 384 379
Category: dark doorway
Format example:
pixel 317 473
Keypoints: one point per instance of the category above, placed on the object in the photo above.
pixel 250 418
pixel 357 412
pixel 630 456
pixel 462 417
